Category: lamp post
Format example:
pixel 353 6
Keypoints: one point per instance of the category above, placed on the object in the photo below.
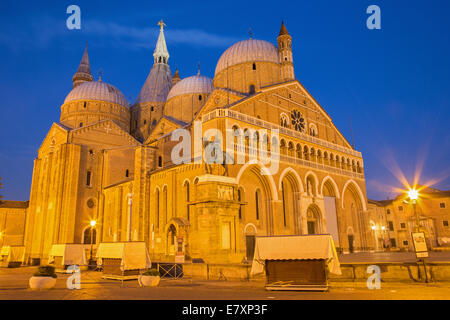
pixel 413 196
pixel 93 223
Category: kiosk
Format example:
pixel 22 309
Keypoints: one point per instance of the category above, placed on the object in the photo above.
pixel 123 260
pixel 296 262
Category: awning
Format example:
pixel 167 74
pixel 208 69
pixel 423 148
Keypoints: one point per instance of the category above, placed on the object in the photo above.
pixel 295 248
pixel 14 253
pixel 133 255
pixel 72 254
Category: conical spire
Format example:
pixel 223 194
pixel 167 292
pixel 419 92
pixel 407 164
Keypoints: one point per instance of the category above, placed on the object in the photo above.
pixel 83 73
pixel 161 53
pixel 283 30
pixel 176 77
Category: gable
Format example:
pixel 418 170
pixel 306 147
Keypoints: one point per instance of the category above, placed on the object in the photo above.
pixel 219 98
pixel 103 134
pixel 56 135
pixel 276 101
pixel 163 127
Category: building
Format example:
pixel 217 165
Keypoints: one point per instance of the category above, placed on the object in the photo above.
pixel 116 164
pixel 400 219
pixel 12 222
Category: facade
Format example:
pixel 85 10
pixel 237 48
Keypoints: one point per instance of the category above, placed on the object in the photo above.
pixel 12 222
pixel 114 163
pixel 400 219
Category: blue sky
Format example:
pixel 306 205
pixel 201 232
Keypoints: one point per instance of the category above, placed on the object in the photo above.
pixel 393 83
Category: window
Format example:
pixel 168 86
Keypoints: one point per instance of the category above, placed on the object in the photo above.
pixel 152 109
pixel 240 200
pixel 145 121
pixel 284 203
pixel 257 197
pixel 254 66
pixel 160 161
pixel 405 243
pixel 84 105
pixel 400 208
pixel 91 152
pixel 393 243
pixel 199 97
pixel 445 223
pixel 388 211
pixel 403 225
pixel 127 173
pixel 251 89
pixel 391 225
pixel 442 205
pixel 88 178
pixel 284 121
pixel 81 124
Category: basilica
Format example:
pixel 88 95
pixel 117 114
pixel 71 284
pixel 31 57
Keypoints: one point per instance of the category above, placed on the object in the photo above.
pixel 111 162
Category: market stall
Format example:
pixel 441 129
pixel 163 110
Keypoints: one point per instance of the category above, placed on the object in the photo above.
pixel 64 255
pixel 12 256
pixel 123 260
pixel 296 262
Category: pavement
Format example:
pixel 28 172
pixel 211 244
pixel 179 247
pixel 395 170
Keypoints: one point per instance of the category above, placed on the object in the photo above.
pixel 394 257
pixel 14 286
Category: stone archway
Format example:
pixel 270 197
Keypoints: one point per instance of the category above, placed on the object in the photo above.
pixel 314 219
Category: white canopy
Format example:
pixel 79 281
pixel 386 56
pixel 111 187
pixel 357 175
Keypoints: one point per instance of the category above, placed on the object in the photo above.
pixel 72 254
pixel 14 253
pixel 133 255
pixel 295 248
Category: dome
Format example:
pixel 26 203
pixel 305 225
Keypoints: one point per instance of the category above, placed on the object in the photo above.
pixel 248 51
pixel 97 90
pixel 157 85
pixel 194 84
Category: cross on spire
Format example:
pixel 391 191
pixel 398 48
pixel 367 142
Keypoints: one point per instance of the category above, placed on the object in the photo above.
pixel 250 33
pixel 100 74
pixel 161 24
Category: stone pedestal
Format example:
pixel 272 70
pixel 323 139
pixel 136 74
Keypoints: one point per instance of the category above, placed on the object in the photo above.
pixel 216 217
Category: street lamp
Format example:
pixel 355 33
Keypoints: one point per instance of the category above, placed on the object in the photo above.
pixel 93 223
pixel 413 196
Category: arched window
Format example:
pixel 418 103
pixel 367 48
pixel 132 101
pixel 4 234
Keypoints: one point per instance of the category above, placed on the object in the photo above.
pixel 240 195
pixel 165 203
pixel 283 146
pixel 186 195
pixel 251 89
pixel 299 151
pixel 157 209
pixel 88 178
pixel 127 173
pixel 291 149
pixel 84 105
pixel 199 97
pixel 306 153
pixel 257 202
pixel 160 161
pixel 254 66
pixel 284 120
pixel 284 203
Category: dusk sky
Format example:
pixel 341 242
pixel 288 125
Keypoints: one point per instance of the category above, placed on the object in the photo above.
pixel 393 83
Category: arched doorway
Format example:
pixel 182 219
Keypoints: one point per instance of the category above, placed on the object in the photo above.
pixel 171 235
pixel 87 235
pixel 351 239
pixel 313 220
pixel 353 210
pixel 290 215
pixel 250 239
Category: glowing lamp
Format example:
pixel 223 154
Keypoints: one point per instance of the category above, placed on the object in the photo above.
pixel 93 222
pixel 413 194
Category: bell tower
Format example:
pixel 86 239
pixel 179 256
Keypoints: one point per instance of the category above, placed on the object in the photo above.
pixel 285 50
